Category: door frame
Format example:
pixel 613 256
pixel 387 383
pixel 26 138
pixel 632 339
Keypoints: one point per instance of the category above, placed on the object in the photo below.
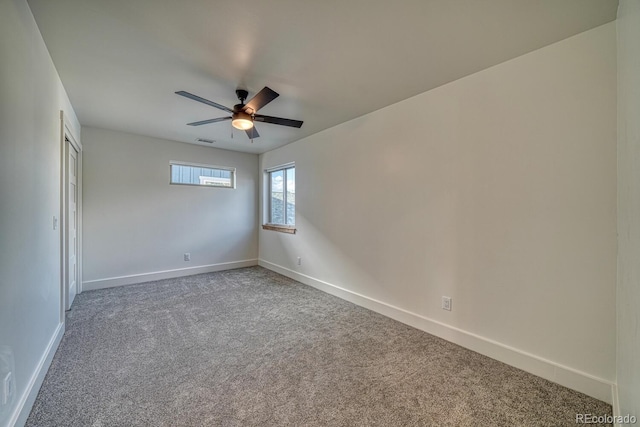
pixel 68 135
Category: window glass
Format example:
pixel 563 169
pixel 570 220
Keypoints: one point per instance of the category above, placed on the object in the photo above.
pixel 291 196
pixel 277 197
pixel 202 175
pixel 282 196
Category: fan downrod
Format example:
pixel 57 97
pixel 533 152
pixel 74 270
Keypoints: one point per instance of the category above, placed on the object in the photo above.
pixel 242 95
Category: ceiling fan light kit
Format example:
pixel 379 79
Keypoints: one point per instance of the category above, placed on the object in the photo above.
pixel 242 121
pixel 243 115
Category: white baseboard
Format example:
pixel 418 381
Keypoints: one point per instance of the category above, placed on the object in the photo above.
pixel 615 404
pixel 571 378
pixel 166 274
pixel 23 408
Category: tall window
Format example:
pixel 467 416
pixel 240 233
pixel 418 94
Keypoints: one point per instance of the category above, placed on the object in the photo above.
pixel 282 196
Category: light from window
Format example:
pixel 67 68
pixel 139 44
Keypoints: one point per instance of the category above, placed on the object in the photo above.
pixel 282 196
pixel 208 176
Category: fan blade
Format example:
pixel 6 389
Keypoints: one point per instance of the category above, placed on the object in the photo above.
pixel 206 122
pixel 278 121
pixel 252 133
pixel 204 101
pixel 261 99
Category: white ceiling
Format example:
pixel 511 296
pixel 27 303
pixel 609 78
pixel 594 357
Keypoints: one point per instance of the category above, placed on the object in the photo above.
pixel 331 61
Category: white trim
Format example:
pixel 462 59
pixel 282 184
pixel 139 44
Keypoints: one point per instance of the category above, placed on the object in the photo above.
pixel 23 408
pixel 583 382
pixel 201 165
pixel 615 404
pixel 67 131
pixel 71 131
pixel 284 166
pixel 165 274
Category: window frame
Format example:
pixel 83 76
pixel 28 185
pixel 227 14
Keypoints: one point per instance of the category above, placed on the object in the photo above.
pixel 201 165
pixel 268 224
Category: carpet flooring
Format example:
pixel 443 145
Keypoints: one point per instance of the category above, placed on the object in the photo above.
pixel 249 347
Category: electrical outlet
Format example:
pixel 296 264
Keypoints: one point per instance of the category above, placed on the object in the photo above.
pixel 299 261
pixel 6 394
pixel 446 303
pixel 7 381
pixel 187 256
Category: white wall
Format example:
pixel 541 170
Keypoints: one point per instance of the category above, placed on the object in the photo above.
pixel 498 190
pixel 137 225
pixel 31 97
pixel 629 206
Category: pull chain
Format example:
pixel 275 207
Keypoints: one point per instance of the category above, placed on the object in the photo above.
pixel 253 129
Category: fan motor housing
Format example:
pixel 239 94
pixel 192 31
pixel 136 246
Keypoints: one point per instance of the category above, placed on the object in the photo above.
pixel 242 95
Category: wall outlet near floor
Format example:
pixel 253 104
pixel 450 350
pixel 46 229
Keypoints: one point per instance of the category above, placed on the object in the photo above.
pixel 299 261
pixel 7 389
pixel 7 381
pixel 187 256
pixel 446 303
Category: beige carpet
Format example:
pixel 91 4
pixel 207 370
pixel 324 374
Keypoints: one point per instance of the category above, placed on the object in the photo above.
pixel 249 347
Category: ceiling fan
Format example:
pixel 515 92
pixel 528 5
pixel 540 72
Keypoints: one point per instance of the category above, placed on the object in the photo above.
pixel 244 115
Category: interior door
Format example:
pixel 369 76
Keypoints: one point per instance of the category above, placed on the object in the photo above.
pixel 72 225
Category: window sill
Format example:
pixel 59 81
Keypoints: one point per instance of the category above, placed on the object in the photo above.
pixel 281 228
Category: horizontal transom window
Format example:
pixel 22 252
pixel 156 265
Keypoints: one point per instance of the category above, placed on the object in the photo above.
pixel 203 175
